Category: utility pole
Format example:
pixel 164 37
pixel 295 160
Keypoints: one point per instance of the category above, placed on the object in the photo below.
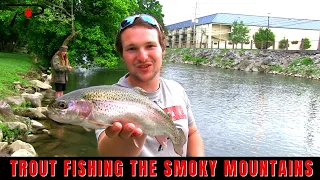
pixel 268 31
pixel 194 26
pixel 319 43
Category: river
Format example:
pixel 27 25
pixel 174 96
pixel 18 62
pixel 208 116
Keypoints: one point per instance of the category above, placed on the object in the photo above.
pixel 237 113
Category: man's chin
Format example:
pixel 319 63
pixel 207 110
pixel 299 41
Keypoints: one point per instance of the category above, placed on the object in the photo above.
pixel 146 77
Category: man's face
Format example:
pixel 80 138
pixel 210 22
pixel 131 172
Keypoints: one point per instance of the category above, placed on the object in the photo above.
pixel 142 53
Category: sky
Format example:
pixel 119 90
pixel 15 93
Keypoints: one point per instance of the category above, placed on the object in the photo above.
pixel 181 10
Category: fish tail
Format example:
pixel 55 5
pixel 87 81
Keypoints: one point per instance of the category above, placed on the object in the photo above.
pixel 180 140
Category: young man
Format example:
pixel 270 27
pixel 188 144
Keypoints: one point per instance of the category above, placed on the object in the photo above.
pixel 60 67
pixel 141 44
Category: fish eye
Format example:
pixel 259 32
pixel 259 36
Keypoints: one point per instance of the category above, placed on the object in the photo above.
pixel 62 105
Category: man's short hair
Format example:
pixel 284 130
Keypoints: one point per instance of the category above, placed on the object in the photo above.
pixel 140 22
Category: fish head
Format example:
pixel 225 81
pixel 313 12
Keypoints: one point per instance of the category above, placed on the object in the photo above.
pixel 69 111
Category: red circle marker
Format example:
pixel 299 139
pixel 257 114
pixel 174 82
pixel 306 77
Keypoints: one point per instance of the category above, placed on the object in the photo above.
pixel 28 12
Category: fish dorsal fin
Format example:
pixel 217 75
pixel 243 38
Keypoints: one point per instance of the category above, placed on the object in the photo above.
pixel 167 113
pixel 157 104
pixel 140 91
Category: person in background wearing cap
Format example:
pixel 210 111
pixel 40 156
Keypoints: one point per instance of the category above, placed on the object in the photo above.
pixel 141 44
pixel 60 68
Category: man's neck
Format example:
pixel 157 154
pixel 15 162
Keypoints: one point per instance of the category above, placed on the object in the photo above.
pixel 149 86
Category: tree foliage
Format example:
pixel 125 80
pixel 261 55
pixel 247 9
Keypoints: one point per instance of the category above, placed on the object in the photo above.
pixel 99 23
pixel 306 44
pixel 283 43
pixel 152 7
pixel 239 33
pixel 97 20
pixel 264 38
pixel 9 34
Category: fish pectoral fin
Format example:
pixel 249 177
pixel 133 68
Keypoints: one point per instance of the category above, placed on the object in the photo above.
pixel 100 124
pixel 87 129
pixel 135 142
pixel 92 119
pixel 162 139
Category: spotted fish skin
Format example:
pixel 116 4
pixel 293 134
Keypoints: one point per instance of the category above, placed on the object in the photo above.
pixel 98 107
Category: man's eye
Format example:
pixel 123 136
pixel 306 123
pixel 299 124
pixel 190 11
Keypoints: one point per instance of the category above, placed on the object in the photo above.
pixel 132 49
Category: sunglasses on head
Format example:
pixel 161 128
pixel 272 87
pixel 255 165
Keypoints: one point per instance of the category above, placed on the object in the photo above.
pixel 146 18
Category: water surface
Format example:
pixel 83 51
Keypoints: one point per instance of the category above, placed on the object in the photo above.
pixel 237 113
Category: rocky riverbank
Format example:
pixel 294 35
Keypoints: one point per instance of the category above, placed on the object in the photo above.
pixel 304 64
pixel 19 116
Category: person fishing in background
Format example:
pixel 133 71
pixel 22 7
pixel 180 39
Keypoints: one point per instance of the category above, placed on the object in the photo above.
pixel 60 68
pixel 141 44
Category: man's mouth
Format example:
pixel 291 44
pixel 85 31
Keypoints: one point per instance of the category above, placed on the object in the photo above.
pixel 143 66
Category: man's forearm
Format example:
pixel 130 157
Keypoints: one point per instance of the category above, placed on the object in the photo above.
pixel 195 145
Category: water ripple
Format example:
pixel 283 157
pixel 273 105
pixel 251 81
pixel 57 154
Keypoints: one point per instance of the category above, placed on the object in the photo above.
pixel 252 114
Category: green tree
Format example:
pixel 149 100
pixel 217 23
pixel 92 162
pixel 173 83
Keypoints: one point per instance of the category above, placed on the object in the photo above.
pixel 306 44
pixel 152 7
pixel 99 22
pixel 96 21
pixel 9 36
pixel 282 43
pixel 264 37
pixel 239 33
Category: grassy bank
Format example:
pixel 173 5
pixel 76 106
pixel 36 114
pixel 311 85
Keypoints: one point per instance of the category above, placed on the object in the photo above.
pixel 14 67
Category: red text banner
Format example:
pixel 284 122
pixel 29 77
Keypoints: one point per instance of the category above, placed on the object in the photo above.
pixel 219 167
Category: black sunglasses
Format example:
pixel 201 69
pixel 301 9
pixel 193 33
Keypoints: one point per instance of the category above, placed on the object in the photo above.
pixel 146 18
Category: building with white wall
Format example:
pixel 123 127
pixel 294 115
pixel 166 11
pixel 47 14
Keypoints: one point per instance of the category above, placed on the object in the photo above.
pixel 213 31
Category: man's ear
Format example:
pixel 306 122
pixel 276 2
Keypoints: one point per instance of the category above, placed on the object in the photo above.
pixel 163 51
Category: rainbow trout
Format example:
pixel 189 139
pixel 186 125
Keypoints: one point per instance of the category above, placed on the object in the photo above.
pixel 98 107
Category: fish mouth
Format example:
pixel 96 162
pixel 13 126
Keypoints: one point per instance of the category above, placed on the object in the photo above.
pixel 56 115
pixel 50 112
pixel 62 115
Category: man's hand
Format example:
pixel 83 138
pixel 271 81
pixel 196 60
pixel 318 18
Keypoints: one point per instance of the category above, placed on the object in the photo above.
pixel 121 139
pixel 124 131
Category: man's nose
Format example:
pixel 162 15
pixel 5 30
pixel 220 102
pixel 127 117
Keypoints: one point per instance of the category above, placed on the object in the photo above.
pixel 142 55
